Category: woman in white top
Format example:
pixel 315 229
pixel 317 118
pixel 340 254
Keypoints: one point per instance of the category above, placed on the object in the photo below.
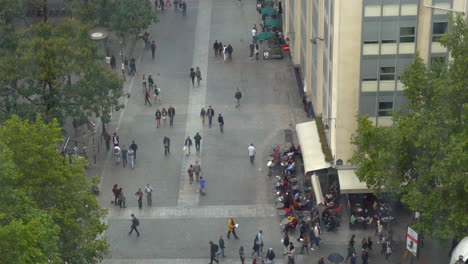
pixel 224 52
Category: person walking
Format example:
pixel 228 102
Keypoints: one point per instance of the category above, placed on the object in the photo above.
pixel 132 66
pixel 117 152
pixel 257 51
pixel 143 82
pixel 221 123
pixel 135 224
pixel 115 191
pixel 164 115
pixel 167 144
pixel 317 232
pixel 197 139
pixel 131 158
pixel 230 50
pixel 139 196
pixel 121 200
pixel 254 34
pixel 305 243
pixel 270 256
pixel 260 240
pixel 187 145
pixel 291 253
pixel 124 151
pixel 157 95
pixel 184 8
pixel 252 151
pixel 321 260
pixel 134 147
pixel 225 52
pixel 210 113
pixel 115 139
pixel 190 173
pixel 285 241
pixel 255 248
pixel 203 115
pixel 213 250
pixel 192 76
pixel 221 247
pixel 216 47
pixel 153 49
pixel 125 62
pixel 168 3
pixel 113 62
pixel 388 250
pixel 350 251
pixel 197 170
pixel 238 96
pixel 242 254
pixel 150 83
pixel 107 139
pixel 252 49
pixel 149 194
pixel 220 48
pixel 171 114
pixel 198 74
pixel 147 98
pixel 157 115
pixel 202 186
pixel 353 258
pixel 232 227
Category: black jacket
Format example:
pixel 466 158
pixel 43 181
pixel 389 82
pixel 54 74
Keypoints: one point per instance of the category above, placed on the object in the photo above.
pixel 221 120
pixel 270 254
pixel 210 112
pixel 221 243
pixel 188 142
pixel 216 45
pixel 197 138
pixel 166 141
pixel 134 147
pixel 171 111
pixel 213 249
pixel 158 114
pixel 286 241
pixel 238 95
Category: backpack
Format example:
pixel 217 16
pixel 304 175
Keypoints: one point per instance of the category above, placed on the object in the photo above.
pixel 137 222
pixel 216 247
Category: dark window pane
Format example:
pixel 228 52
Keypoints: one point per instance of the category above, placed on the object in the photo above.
pixel 387 77
pixel 406 39
pixel 371 42
pixel 387 69
pixel 388 41
pixel 439 28
pixel 385 105
pixel 369 79
pixel 406 31
pixel 385 113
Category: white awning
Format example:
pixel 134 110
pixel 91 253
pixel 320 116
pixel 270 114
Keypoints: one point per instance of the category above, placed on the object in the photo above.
pixel 317 189
pixel 349 182
pixel 314 159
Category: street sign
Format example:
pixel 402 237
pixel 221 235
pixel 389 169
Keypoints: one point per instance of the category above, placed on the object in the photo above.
pixel 412 241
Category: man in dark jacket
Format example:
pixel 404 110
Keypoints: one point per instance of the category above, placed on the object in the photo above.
pixel 270 254
pixel 134 147
pixel 210 114
pixel 238 96
pixel 213 249
pixel 171 114
pixel 221 123
pixel 221 247
pixel 229 51
pixel 197 138
pixel 286 242
pixel 216 47
pixel 167 144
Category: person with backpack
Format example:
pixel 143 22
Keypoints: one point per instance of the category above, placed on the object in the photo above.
pixel 167 144
pixel 150 82
pixel 229 51
pixel 157 95
pixel 221 123
pixel 135 224
pixel 213 250
pixel 238 96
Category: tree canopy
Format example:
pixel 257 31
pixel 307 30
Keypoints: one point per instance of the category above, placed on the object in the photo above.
pixel 47 211
pixel 54 72
pixel 424 156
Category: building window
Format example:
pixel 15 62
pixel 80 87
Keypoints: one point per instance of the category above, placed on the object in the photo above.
pixel 387 73
pixel 438 29
pixel 385 108
pixel 407 34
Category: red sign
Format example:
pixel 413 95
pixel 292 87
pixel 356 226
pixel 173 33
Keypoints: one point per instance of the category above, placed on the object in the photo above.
pixel 286 48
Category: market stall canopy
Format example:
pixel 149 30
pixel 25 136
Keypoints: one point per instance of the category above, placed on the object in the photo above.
pixel 312 154
pixel 272 22
pixel 349 182
pixel 267 11
pixel 265 35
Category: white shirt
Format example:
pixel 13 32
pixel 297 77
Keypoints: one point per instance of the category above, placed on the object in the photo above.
pixel 252 151
pixel 254 32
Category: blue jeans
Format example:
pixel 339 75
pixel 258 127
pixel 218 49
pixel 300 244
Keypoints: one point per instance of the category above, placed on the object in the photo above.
pixel 210 119
pixel 252 158
pixel 221 252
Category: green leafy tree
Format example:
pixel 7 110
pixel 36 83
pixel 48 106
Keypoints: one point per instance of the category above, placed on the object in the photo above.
pixel 424 156
pixel 54 72
pixel 59 204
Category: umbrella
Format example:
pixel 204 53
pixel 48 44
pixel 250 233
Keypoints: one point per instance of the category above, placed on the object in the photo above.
pixel 267 11
pixel 272 22
pixel 265 35
pixel 335 258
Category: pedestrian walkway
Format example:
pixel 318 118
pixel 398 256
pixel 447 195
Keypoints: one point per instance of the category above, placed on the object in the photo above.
pixel 178 261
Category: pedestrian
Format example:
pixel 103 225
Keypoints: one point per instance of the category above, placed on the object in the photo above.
pixel 270 256
pixel 203 115
pixel 216 47
pixel 221 247
pixel 380 229
pixel 149 194
pixel 150 82
pixel 139 196
pixel 187 145
pixel 198 74
pixel 221 123
pixel 147 98
pixel 171 114
pixel 184 8
pixel 321 260
pixel 238 96
pixel 256 248
pixel 164 115
pixel 291 253
pixel 134 147
pixel 161 4
pixel 143 81
pixel 353 258
pixel 213 250
pixel 135 224
pixel 257 51
pixel 383 250
pixel 350 251
pixel 197 139
pixel 115 139
pixel 351 241
pixel 210 113
pixel 370 243
pixel 127 69
pixel 225 52
pixel 220 48
pixel 202 186
pixel 251 150
pixel 132 66
pixel 117 152
pixel 305 243
pixel 365 257
pixel 197 170
pixel 190 173
pixel 460 260
pixel 121 200
pixel 229 50
pixel 168 3
pixel 157 95
pixel 192 76
pixel 112 62
pixel 115 191
pixel 167 144
pixel 254 33
pixel 107 139
pixel 231 227
pixel 252 48
pixel 242 254
pixel 285 241
pixel 388 250
pixel 260 240
pixel 157 115
pixel 124 156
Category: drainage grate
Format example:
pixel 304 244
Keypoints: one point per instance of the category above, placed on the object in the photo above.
pixel 288 135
